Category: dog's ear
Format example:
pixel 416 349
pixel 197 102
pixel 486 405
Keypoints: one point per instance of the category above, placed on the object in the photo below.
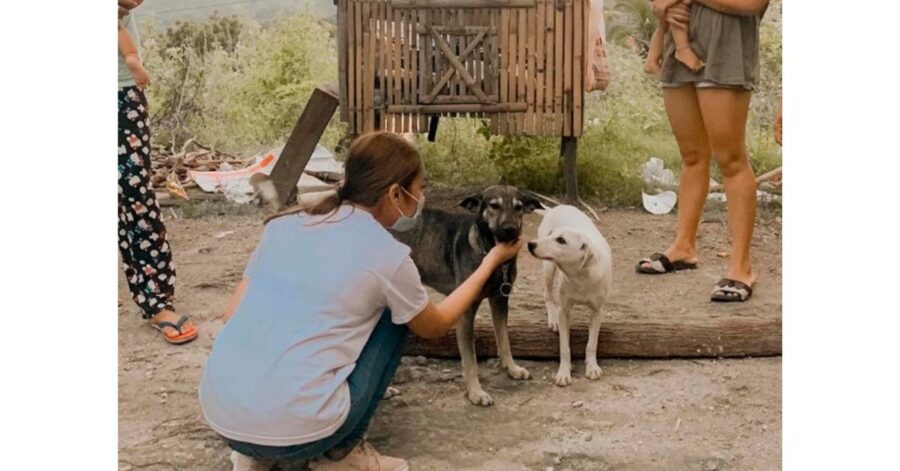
pixel 586 256
pixel 531 203
pixel 472 203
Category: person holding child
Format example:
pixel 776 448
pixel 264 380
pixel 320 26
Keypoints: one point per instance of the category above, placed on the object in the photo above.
pixel 315 330
pixel 707 105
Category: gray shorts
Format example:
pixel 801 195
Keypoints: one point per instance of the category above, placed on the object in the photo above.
pixel 703 84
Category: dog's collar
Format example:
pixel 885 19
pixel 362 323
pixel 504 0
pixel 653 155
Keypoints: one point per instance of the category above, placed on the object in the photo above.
pixel 506 286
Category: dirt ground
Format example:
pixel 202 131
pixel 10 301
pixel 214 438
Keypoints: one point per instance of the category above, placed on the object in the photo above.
pixel 681 414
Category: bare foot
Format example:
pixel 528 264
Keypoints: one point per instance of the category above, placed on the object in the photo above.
pixel 676 254
pixel 687 57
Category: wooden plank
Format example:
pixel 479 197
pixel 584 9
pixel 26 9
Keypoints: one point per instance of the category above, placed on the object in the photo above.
pixel 502 124
pixel 404 60
pixel 539 61
pixel 513 62
pixel 708 338
pixel 441 4
pixel 368 83
pixel 342 58
pixel 389 66
pixel 459 47
pixel 459 108
pixel 521 61
pixel 302 142
pixel 380 69
pixel 397 67
pixel 578 67
pixel 462 99
pixel 414 67
pixel 422 67
pixel 549 69
pixel 558 71
pixel 494 57
pixel 360 61
pixel 531 15
pixel 567 71
pixel 463 30
pixel 351 67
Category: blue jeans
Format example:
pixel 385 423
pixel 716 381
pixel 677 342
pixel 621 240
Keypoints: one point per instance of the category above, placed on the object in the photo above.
pixel 368 382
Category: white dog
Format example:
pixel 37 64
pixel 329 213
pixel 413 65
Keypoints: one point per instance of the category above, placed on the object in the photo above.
pixel 577 270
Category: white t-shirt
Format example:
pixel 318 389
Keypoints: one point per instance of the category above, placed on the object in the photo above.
pixel 277 371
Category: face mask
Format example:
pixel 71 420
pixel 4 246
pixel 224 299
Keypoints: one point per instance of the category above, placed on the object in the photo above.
pixel 404 222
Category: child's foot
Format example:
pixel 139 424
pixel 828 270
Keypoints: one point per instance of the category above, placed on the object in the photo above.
pixel 651 66
pixel 687 57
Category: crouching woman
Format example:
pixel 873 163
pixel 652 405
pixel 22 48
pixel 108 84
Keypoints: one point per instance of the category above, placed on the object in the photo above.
pixel 316 328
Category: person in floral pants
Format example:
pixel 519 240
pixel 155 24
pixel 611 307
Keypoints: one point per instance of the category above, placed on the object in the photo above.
pixel 144 248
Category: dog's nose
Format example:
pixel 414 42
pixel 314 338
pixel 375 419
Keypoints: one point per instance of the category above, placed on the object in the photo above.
pixel 531 247
pixel 508 233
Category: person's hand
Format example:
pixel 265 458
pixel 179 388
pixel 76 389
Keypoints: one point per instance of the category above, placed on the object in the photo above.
pixel 504 251
pixel 679 16
pixel 127 5
pixel 661 6
pixel 141 77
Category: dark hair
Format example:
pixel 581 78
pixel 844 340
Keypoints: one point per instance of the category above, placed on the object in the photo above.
pixel 375 162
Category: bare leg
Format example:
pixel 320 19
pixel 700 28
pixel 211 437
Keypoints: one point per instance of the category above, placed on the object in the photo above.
pixel 551 296
pixel 687 125
pixel 592 368
pixel 465 339
pixel 654 55
pixel 500 315
pixel 725 117
pixel 564 375
pixel 683 51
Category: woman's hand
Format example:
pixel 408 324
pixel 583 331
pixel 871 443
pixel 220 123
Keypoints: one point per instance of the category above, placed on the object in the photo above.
pixel 661 6
pixel 504 251
pixel 126 5
pixel 679 16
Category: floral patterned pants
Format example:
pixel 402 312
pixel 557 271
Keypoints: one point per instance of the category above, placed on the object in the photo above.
pixel 146 255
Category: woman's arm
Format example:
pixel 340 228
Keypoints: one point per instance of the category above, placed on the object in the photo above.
pixel 437 319
pixel 737 7
pixel 235 299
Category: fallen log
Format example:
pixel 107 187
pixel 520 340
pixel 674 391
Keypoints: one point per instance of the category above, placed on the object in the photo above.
pixel 645 339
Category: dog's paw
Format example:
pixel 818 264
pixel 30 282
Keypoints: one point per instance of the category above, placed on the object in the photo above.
pixel 517 372
pixel 554 325
pixel 593 372
pixel 563 378
pixel 480 398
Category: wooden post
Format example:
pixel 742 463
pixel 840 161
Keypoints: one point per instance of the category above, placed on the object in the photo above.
pixel 568 152
pixel 302 142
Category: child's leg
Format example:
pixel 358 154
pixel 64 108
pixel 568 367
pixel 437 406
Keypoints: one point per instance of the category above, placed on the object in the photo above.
pixel 654 55
pixel 683 51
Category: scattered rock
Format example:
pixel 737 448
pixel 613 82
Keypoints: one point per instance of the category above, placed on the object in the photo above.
pixel 420 360
pixel 711 465
pixel 577 404
pixel 557 460
pixel 391 392
pixel 416 374
pixel 588 437
pixel 493 363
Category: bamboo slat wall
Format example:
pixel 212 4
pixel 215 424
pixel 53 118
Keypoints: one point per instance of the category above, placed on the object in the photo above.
pixel 518 64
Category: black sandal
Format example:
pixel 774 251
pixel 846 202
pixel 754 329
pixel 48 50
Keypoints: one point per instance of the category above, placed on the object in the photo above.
pixel 731 291
pixel 660 264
